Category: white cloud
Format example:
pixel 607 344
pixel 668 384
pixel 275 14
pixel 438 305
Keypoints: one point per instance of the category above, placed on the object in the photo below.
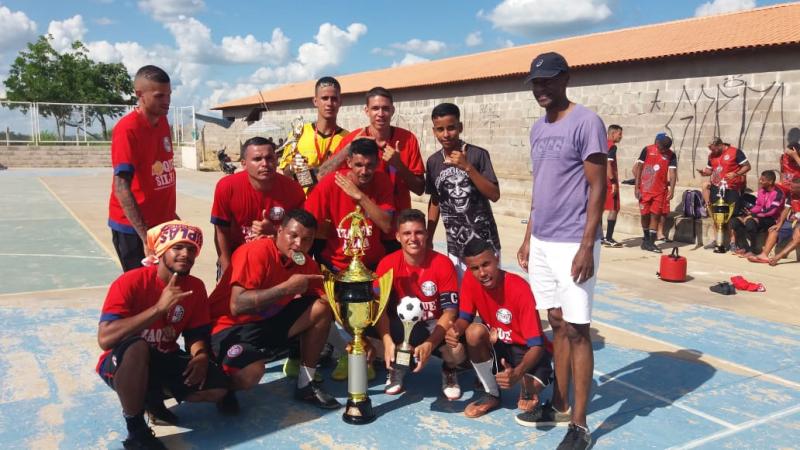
pixel 330 45
pixel 507 43
pixel 104 21
pixel 383 51
pixel 409 59
pixel 534 17
pixel 16 30
pixel 429 47
pixel 723 6
pixel 195 44
pixel 474 39
pixel 65 32
pixel 169 10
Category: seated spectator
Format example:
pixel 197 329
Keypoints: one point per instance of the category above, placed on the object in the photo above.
pixel 760 218
pixel 790 166
pixel 791 213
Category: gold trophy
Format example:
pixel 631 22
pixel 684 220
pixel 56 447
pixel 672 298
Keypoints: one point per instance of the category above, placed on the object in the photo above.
pixel 355 307
pixel 721 213
pixel 298 163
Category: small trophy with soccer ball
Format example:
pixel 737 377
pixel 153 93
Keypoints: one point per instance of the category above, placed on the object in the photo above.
pixel 409 310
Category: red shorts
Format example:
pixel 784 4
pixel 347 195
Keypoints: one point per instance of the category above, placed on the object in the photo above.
pixel 654 204
pixel 612 200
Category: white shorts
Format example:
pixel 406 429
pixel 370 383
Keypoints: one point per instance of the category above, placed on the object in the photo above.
pixel 461 267
pixel 550 275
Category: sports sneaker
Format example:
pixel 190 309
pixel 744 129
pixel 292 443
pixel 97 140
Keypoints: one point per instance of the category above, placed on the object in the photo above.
pixel 485 403
pixel 663 240
pixel 394 381
pixel 710 246
pixel 611 243
pixel 315 395
pixel 450 387
pixel 544 415
pixel 158 414
pixel 291 368
pixel 143 439
pixel 650 247
pixel 577 438
pixel 340 371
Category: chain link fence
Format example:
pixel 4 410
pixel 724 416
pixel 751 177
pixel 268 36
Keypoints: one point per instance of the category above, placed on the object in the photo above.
pixel 39 123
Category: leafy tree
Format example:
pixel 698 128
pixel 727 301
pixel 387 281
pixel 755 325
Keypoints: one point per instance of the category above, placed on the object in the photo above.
pixel 41 74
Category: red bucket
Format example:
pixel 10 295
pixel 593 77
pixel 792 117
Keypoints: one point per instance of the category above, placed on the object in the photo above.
pixel 673 267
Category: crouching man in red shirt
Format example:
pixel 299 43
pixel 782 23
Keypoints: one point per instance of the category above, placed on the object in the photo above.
pixel 145 311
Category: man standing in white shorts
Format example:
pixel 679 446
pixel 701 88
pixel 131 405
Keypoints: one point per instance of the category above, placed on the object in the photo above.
pixel 561 247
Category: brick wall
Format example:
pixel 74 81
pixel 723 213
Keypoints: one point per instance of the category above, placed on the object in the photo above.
pixel 750 98
pixel 61 156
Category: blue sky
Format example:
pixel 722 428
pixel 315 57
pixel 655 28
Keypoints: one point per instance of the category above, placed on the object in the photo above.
pixel 219 50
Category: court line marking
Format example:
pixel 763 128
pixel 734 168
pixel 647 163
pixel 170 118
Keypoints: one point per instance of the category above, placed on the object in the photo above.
pixel 674 403
pixel 739 428
pixel 105 258
pixel 709 358
pixel 102 245
pixel 52 291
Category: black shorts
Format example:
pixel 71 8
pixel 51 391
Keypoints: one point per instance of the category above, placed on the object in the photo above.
pixel 239 346
pixel 731 196
pixel 165 371
pixel 513 354
pixel 419 334
pixel 130 249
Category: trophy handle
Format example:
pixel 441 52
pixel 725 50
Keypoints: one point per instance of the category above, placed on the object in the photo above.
pixel 328 286
pixel 385 285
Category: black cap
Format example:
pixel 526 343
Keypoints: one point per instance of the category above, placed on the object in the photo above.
pixel 547 65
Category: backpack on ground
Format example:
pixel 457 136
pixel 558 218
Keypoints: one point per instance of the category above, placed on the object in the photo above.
pixel 693 204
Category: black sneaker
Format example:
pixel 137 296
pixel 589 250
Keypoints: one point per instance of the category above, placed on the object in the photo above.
pixel 577 438
pixel 650 247
pixel 315 395
pixel 612 243
pixel 544 415
pixel 229 405
pixel 158 414
pixel 144 439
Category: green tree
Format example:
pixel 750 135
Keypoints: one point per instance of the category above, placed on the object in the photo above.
pixel 41 74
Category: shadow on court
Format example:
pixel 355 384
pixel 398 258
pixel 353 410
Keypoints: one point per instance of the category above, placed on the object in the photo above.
pixel 667 375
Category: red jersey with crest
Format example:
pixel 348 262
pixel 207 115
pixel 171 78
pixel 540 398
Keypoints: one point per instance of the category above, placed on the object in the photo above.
pixel 434 282
pixel 257 265
pixel 509 308
pixel 237 204
pixel 789 171
pixel 139 289
pixel 145 152
pixel 328 201
pixel 408 146
pixel 728 161
pixel 655 169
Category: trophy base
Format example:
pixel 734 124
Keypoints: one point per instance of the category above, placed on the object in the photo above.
pixel 359 413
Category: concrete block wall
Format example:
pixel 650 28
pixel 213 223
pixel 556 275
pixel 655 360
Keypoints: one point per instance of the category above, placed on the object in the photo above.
pixel 61 156
pixel 749 98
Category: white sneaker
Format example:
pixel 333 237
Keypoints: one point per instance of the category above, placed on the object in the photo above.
pixel 394 381
pixel 450 387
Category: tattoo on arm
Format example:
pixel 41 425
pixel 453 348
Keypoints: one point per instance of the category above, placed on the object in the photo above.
pixel 253 301
pixel 122 190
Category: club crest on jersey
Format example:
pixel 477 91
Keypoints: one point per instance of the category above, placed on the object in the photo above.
pixel 276 213
pixel 503 316
pixel 429 288
pixel 726 157
pixel 177 314
pixel 167 145
pixel 656 167
pixel 235 351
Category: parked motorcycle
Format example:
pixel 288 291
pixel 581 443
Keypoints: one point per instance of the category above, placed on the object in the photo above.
pixel 225 162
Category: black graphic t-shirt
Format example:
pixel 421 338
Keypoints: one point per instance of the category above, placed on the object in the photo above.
pixel 465 212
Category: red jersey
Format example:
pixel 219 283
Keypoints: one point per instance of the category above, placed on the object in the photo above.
pixel 409 154
pixel 257 265
pixel 509 308
pixel 139 289
pixel 237 204
pixel 612 162
pixel 728 161
pixel 434 282
pixel 328 201
pixel 655 169
pixel 144 151
pixel 789 171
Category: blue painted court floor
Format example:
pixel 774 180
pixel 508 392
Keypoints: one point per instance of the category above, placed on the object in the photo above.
pixel 54 278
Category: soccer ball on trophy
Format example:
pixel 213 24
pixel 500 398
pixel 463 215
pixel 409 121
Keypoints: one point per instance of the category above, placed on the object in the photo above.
pixel 409 309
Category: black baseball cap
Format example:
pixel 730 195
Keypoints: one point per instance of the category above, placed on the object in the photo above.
pixel 547 65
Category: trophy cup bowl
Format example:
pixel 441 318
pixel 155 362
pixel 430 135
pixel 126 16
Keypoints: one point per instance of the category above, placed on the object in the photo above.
pixel 352 299
pixel 721 213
